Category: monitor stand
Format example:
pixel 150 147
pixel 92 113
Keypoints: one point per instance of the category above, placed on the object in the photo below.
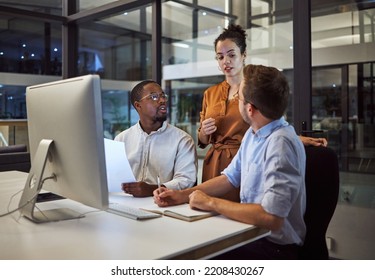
pixel 33 186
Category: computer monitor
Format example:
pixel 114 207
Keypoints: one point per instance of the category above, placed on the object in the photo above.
pixel 65 127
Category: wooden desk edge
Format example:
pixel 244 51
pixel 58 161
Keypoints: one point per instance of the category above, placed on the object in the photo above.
pixel 220 246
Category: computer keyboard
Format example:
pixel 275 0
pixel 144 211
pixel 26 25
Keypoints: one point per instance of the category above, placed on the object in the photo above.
pixel 131 212
pixel 48 196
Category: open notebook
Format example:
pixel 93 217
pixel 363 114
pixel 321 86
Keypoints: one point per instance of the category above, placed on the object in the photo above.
pixel 182 212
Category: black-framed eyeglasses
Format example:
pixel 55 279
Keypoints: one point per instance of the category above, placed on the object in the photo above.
pixel 155 96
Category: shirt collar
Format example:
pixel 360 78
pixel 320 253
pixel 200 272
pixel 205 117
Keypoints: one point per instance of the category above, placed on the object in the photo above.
pixel 266 130
pixel 161 129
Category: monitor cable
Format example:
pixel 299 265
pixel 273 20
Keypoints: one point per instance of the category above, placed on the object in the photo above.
pixel 53 176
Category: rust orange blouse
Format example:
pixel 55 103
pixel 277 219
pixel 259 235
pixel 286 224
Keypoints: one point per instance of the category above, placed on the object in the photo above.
pixel 231 128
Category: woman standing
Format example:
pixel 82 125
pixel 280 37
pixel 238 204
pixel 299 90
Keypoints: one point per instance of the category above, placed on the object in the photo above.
pixel 221 124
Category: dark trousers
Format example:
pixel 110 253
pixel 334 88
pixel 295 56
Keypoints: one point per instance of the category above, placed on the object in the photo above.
pixel 262 249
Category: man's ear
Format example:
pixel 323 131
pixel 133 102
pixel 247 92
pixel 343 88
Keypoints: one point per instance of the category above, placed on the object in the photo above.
pixel 137 105
pixel 251 109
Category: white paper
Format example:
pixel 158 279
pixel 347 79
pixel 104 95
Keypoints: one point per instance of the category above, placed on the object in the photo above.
pixel 117 164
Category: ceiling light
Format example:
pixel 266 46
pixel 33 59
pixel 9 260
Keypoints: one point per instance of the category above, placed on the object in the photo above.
pixel 181 45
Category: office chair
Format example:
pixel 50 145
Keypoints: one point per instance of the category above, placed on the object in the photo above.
pixel 322 188
pixel 15 157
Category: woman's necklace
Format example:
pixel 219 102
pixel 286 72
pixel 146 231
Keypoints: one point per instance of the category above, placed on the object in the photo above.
pixel 233 96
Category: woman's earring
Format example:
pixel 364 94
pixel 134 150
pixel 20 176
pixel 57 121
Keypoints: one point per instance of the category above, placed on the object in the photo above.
pixel 218 67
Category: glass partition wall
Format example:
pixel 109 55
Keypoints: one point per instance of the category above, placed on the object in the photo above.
pixel 343 81
pixel 342 107
pixel 118 46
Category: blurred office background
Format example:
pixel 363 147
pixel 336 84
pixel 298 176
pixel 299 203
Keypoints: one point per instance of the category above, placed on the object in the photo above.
pixel 326 48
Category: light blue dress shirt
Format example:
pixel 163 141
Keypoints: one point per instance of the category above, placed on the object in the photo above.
pixel 270 168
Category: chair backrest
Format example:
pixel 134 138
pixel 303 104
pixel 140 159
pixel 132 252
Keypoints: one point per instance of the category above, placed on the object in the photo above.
pixel 15 157
pixel 322 188
pixel 20 148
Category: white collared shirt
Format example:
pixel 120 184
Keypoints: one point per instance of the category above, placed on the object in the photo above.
pixel 169 153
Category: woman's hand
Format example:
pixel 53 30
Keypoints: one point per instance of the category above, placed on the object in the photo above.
pixel 310 141
pixel 208 126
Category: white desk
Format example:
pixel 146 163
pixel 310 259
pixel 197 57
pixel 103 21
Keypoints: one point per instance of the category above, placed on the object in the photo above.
pixel 104 236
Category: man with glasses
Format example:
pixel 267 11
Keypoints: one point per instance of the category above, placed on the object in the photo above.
pixel 269 167
pixel 159 153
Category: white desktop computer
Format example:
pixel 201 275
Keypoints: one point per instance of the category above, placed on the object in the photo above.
pixel 65 127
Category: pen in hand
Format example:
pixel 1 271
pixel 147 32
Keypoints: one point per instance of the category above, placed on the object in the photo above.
pixel 158 178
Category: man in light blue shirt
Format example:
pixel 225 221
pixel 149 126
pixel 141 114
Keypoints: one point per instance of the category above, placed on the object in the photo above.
pixel 269 167
pixel 266 167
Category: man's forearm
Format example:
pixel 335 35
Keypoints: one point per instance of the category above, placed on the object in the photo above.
pixel 217 186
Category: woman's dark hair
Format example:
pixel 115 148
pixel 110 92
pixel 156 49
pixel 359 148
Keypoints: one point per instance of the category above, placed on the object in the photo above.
pixel 235 33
